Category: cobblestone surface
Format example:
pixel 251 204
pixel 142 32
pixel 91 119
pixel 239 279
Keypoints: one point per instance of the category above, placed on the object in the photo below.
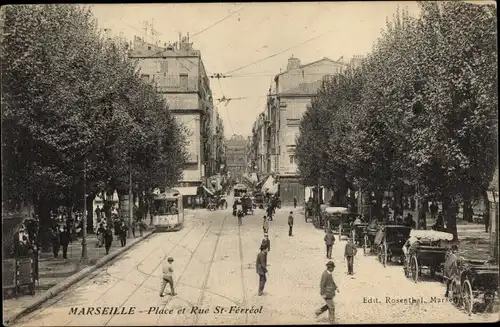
pixel 215 268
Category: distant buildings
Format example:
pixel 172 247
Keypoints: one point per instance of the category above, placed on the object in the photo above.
pixel 236 156
pixel 178 72
pixel 275 131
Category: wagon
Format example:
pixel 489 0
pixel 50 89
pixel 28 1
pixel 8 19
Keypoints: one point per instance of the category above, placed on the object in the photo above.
pixel 393 239
pixel 427 251
pixel 168 211
pixel 371 231
pixel 346 221
pixel 475 287
pixel 332 218
pixel 358 232
pixel 319 217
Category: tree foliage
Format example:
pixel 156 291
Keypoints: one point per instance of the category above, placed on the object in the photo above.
pixel 421 109
pixel 72 100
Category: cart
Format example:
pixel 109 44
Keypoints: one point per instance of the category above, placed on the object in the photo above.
pixel 20 256
pixel 248 205
pixel 393 239
pixel 427 252
pixel 346 221
pixel 369 237
pixel 332 219
pixel 358 232
pixel 475 287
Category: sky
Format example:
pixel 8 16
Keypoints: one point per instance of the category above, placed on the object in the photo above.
pixel 233 35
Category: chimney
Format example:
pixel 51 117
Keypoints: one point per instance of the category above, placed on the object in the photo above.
pixel 293 63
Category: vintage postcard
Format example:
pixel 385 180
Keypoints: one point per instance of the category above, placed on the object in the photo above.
pixel 249 163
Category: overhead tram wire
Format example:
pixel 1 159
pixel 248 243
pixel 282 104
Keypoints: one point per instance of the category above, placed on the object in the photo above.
pixel 278 53
pixel 217 22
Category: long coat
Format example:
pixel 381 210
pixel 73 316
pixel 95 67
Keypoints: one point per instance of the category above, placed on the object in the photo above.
pixel 260 264
pixel 327 285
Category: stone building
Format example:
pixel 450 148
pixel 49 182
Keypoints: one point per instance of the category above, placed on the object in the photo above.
pixel 178 72
pixel 236 157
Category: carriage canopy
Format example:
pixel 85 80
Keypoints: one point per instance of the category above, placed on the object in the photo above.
pixel 333 210
pixel 431 235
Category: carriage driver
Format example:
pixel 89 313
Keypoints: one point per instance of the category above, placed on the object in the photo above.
pixel 450 267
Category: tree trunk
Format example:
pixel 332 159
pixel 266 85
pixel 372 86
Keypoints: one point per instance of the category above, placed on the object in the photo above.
pixel 90 213
pixel 468 211
pixel 379 198
pixel 43 207
pixel 450 217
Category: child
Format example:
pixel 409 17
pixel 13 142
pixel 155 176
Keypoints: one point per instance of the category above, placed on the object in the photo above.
pixel 168 271
pixel 240 217
pixel 265 225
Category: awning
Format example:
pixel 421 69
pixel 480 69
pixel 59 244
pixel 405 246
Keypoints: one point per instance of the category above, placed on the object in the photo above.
pixel 208 191
pixel 188 190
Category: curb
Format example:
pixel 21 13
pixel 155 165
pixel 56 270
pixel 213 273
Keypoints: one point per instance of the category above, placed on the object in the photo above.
pixel 71 280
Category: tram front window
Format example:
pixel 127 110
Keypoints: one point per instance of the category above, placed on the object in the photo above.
pixel 164 207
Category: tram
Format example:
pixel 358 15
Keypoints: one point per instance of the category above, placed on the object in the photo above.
pixel 168 211
pixel 239 191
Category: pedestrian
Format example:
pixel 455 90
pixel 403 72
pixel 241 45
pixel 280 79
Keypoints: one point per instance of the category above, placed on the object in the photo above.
pixel 270 212
pixel 98 213
pixel 64 240
pixel 265 225
pixel 329 241
pixel 108 238
pixel 235 209
pixel 123 234
pixel 434 209
pixel 450 267
pixel 55 242
pixel 486 219
pixel 240 217
pixel 295 202
pixel 290 223
pixel 266 243
pixel 327 291
pixel 134 224
pixel 261 269
pixel 349 253
pixel 168 278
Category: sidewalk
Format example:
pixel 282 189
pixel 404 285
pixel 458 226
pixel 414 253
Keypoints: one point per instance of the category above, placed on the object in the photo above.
pixel 53 271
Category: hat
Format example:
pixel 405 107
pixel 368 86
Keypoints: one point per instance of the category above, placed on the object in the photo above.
pixel 170 259
pixel 291 211
pixel 330 264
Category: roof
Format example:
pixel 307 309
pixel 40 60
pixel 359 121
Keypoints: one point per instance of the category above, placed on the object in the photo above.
pixel 312 63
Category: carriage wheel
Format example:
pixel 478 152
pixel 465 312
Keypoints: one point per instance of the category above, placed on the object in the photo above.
pixel 467 297
pixel 455 293
pixel 365 244
pixel 414 269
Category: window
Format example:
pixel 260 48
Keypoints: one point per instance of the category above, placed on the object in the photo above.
pixel 292 159
pixel 145 78
pixel 183 78
pixel 164 66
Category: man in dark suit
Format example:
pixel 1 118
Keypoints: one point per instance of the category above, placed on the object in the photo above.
pixel 266 243
pixel 261 269
pixel 349 253
pixel 290 223
pixel 329 241
pixel 327 290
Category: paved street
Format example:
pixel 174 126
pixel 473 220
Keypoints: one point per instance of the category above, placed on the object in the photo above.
pixel 215 266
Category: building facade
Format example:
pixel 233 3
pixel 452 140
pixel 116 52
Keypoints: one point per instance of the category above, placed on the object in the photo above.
pixel 259 145
pixel 178 72
pixel 236 157
pixel 288 99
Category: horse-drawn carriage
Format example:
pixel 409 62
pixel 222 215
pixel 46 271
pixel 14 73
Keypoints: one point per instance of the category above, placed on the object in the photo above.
pixel 475 286
pixel 392 240
pixel 330 218
pixel 370 234
pixel 20 255
pixel 426 249
pixel 346 223
pixel 247 205
pixel 358 231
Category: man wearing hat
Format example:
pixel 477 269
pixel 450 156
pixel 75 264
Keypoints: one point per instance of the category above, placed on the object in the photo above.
pixel 265 225
pixel 349 253
pixel 450 267
pixel 261 268
pixel 327 291
pixel 290 223
pixel 168 271
pixel 329 241
pixel 266 243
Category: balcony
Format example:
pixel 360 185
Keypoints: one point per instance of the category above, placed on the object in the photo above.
pixel 177 83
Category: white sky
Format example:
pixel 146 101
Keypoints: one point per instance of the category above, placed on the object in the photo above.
pixel 258 30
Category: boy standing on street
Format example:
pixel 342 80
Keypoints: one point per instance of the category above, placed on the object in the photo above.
pixel 329 241
pixel 266 243
pixel 265 225
pixel 327 290
pixel 349 253
pixel 168 271
pixel 290 223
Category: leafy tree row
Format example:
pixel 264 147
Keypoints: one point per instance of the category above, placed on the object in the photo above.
pixel 73 102
pixel 421 111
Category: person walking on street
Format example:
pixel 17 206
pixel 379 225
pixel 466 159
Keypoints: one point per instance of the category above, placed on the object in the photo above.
pixel 168 278
pixel 261 269
pixel 65 239
pixel 434 209
pixel 327 291
pixel 295 202
pixel 349 253
pixel 450 267
pixel 240 217
pixel 55 242
pixel 123 234
pixel 265 225
pixel 266 243
pixel 290 223
pixel 329 241
pixel 270 211
pixel 108 238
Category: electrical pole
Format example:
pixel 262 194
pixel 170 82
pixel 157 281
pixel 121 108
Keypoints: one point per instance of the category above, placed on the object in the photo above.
pixel 85 256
